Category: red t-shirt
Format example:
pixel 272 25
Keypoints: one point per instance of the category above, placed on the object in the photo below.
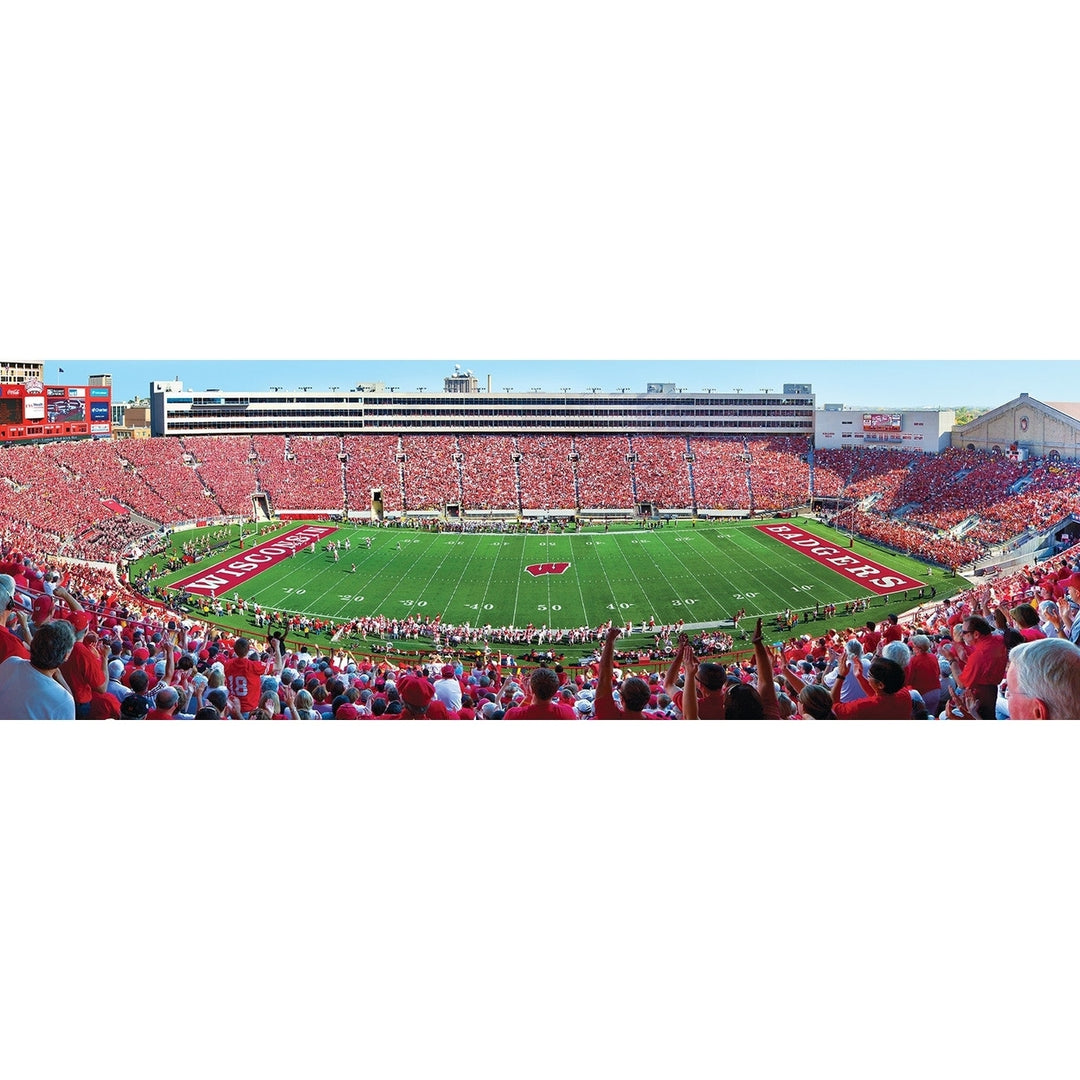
pixel 243 677
pixel 12 645
pixel 104 707
pixel 604 707
pixel 986 664
pixel 879 707
pixel 541 710
pixel 924 672
pixel 436 710
pixel 710 705
pixel 83 672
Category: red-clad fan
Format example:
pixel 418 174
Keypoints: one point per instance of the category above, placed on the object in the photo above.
pixel 418 697
pixel 887 697
pixel 983 665
pixel 243 673
pixel 86 668
pixel 633 692
pixel 11 644
pixel 544 685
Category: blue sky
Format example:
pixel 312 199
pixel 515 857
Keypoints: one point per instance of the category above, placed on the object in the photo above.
pixel 893 383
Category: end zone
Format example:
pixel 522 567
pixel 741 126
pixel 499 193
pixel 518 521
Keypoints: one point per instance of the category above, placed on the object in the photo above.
pixel 871 575
pixel 230 572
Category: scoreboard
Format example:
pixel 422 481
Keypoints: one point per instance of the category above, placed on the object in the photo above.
pixel 32 410
pixel 882 421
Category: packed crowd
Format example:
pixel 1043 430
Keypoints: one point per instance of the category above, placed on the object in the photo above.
pixel 94 500
pixel 721 473
pixel 661 471
pixel 301 472
pixel 924 543
pixel 373 466
pixel 226 466
pixel 545 472
pixel 779 472
pixel 1006 649
pixel 75 642
pixel 604 476
pixel 489 482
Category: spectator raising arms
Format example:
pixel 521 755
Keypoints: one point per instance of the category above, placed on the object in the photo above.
pixel 886 696
pixel 633 692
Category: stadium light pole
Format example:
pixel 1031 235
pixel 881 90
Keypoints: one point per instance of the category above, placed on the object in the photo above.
pixel 737 389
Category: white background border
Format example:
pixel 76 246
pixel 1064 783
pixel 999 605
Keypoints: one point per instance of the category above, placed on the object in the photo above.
pixel 579 181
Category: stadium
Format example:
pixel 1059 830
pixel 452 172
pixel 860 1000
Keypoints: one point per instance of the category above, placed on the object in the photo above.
pixel 376 530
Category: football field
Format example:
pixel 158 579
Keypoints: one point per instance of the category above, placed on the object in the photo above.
pixel 700 574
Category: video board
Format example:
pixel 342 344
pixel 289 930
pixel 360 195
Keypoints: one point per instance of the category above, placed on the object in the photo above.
pixel 882 421
pixel 32 411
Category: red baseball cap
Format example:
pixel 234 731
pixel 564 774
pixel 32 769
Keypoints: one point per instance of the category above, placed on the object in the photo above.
pixel 79 619
pixel 415 691
pixel 43 608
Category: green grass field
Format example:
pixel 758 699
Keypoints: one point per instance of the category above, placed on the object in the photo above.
pixel 701 575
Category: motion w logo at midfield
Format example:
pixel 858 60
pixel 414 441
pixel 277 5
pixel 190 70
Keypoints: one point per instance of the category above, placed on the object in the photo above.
pixel 539 569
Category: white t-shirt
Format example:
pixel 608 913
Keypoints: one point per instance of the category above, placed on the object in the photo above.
pixel 448 691
pixel 26 694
